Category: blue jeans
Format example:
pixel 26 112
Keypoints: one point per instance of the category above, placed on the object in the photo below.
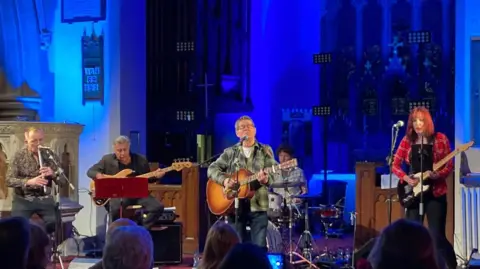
pixel 258 222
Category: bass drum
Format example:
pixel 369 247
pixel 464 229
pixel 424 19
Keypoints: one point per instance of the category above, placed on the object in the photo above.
pixel 274 239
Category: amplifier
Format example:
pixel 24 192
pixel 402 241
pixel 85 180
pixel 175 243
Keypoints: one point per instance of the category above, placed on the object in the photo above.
pixel 167 217
pixel 167 243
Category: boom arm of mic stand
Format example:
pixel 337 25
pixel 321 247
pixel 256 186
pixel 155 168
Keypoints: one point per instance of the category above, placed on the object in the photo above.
pixel 60 171
pixel 210 160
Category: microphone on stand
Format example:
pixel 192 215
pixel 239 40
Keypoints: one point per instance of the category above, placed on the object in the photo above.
pixel 59 171
pixel 399 124
pixel 243 138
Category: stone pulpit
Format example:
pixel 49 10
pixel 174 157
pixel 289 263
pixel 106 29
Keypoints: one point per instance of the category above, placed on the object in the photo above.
pixel 63 139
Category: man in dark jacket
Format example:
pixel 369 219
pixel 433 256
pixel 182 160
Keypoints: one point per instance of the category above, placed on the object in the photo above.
pixel 121 159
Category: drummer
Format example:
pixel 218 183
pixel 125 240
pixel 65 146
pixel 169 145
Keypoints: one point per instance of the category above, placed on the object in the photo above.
pixel 286 153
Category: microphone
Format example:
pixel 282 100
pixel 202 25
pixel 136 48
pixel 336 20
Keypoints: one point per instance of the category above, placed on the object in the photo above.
pixel 43 147
pixel 243 138
pixel 398 124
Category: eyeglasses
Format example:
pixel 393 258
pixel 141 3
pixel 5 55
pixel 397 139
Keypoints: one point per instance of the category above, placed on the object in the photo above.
pixel 245 126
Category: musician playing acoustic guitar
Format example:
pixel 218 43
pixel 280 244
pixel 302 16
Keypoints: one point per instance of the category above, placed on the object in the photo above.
pixel 253 156
pixel 435 147
pixel 121 159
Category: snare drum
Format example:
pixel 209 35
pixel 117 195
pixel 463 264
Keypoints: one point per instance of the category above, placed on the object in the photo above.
pixel 275 202
pixel 274 239
pixel 327 212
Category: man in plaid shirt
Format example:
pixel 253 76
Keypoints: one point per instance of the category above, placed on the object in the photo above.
pixel 420 126
pixel 253 156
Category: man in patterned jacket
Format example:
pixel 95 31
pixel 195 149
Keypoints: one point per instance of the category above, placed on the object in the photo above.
pixel 32 183
pixel 253 156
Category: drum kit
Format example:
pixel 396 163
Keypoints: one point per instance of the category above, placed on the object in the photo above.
pixel 287 211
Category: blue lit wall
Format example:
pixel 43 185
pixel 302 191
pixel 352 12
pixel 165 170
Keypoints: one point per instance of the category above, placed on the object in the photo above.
pixel 467 26
pixel 283 39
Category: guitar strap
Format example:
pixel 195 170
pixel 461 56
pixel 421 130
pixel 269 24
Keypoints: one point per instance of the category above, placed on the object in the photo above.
pixel 266 149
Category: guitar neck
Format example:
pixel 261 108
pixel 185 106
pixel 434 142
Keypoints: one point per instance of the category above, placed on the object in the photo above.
pixel 152 174
pixel 443 161
pixel 254 177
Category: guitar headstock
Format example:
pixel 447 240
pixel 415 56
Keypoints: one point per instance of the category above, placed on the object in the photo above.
pixel 180 164
pixel 289 164
pixel 465 146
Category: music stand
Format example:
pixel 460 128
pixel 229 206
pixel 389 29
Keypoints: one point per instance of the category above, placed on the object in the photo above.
pixel 122 188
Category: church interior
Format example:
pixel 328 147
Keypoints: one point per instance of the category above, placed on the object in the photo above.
pixel 334 80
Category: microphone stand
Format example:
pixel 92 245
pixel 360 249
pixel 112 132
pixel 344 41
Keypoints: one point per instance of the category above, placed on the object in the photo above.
pixel 420 207
pixel 237 201
pixel 390 164
pixel 56 196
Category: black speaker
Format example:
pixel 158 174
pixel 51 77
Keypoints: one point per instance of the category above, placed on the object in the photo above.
pixel 167 243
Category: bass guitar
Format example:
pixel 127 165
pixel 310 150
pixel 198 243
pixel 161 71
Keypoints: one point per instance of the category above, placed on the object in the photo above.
pixel 408 195
pixel 176 166
pixel 221 199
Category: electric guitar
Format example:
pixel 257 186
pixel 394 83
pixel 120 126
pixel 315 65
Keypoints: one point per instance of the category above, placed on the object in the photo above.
pixel 220 199
pixel 176 166
pixel 408 194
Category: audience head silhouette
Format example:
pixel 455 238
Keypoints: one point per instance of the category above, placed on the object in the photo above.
pixel 128 247
pixel 40 249
pixel 220 239
pixel 404 244
pixel 118 223
pixel 246 255
pixel 14 242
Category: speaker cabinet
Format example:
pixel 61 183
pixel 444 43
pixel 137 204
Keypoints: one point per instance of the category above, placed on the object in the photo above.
pixel 167 243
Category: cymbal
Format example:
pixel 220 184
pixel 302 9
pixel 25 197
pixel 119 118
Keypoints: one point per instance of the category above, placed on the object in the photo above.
pixel 286 184
pixel 307 196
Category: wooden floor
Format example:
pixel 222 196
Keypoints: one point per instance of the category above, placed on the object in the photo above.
pixel 321 243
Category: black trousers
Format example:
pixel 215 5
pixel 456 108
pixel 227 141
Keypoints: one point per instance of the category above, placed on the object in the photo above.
pixel 258 222
pixel 44 208
pixel 435 209
pixel 150 204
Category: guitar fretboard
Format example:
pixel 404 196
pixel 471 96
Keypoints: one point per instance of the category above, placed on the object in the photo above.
pixel 152 174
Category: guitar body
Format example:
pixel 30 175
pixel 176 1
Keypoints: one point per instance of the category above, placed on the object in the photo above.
pixel 100 201
pixel 410 196
pixel 221 201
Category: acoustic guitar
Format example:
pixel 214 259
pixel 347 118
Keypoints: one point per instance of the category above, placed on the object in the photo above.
pixel 409 195
pixel 176 166
pixel 221 199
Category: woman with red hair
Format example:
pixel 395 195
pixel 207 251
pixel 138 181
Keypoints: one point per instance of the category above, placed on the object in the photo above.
pixel 420 149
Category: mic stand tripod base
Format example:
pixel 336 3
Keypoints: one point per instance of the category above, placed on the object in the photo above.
pixel 306 240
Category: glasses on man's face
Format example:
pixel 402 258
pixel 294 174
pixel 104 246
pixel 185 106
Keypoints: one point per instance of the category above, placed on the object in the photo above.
pixel 245 126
